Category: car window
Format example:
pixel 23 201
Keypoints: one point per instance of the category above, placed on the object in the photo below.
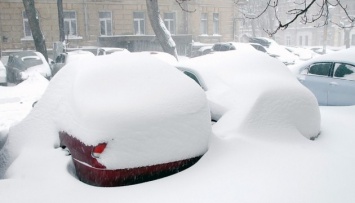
pixel 30 61
pixel 216 47
pixel 322 69
pixel 60 59
pixel 224 48
pixel 192 76
pixel 344 71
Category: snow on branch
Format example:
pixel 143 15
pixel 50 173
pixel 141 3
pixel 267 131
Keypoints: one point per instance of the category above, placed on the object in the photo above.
pixel 307 11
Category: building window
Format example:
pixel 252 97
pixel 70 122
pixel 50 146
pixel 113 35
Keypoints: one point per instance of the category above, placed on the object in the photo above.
pixel 306 40
pixel 300 41
pixel 105 23
pixel 204 23
pixel 288 40
pixel 70 27
pixel 26 25
pixel 169 21
pixel 216 23
pixel 139 24
pixel 353 39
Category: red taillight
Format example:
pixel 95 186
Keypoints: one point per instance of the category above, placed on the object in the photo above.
pixel 98 150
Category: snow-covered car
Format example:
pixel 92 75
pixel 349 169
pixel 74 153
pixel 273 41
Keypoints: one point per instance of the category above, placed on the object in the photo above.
pixel 331 77
pixel 275 50
pixel 3 80
pixel 168 58
pixel 228 46
pixel 238 84
pixel 320 50
pixel 302 53
pixel 109 50
pixel 21 65
pixel 144 120
pixel 68 57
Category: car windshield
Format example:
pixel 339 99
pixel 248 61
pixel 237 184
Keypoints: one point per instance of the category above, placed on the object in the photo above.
pixel 29 61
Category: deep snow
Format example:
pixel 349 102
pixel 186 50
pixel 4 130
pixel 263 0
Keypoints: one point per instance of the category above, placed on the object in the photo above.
pixel 246 167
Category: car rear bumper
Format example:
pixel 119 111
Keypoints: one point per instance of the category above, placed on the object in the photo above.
pixel 120 177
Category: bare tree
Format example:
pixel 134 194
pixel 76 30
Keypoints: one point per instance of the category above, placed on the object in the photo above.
pixel 307 11
pixel 33 20
pixel 163 35
pixel 61 20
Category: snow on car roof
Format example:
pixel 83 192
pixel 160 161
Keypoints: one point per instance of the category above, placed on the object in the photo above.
pixel 244 85
pixel 345 56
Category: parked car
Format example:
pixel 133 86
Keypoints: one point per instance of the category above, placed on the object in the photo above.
pixel 275 50
pixel 227 46
pixel 145 120
pixel 197 49
pixel 21 65
pixel 3 80
pixel 239 83
pixel 68 57
pixel 302 53
pixel 320 50
pixel 204 50
pixel 259 47
pixel 331 77
pixel 168 58
pixel 109 50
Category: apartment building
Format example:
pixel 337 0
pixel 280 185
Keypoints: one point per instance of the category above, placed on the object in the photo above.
pixel 90 22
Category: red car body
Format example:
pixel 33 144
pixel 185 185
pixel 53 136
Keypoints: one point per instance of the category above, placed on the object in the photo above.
pixel 90 171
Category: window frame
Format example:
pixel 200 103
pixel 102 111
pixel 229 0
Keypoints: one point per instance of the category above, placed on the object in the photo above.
pixel 139 21
pixel 105 20
pixel 70 22
pixel 216 24
pixel 335 67
pixel 308 68
pixel 204 24
pixel 170 23
pixel 26 23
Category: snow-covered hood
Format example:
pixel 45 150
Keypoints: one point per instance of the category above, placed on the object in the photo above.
pixel 42 69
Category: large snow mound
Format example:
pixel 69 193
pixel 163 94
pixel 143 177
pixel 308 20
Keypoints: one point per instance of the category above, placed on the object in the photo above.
pixel 148 111
pixel 250 91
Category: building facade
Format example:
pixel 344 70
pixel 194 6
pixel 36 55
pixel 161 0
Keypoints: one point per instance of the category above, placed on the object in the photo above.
pixel 86 21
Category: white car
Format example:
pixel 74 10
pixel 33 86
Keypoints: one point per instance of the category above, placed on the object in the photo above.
pixel 239 83
pixel 275 50
pixel 331 77
pixel 21 65
pixel 3 80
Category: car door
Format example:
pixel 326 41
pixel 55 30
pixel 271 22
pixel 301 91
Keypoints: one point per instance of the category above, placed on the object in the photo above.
pixel 317 78
pixel 342 87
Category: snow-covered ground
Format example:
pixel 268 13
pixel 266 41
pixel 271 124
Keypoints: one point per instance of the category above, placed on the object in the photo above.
pixel 243 167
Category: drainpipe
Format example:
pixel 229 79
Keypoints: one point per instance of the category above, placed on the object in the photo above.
pixel 86 19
